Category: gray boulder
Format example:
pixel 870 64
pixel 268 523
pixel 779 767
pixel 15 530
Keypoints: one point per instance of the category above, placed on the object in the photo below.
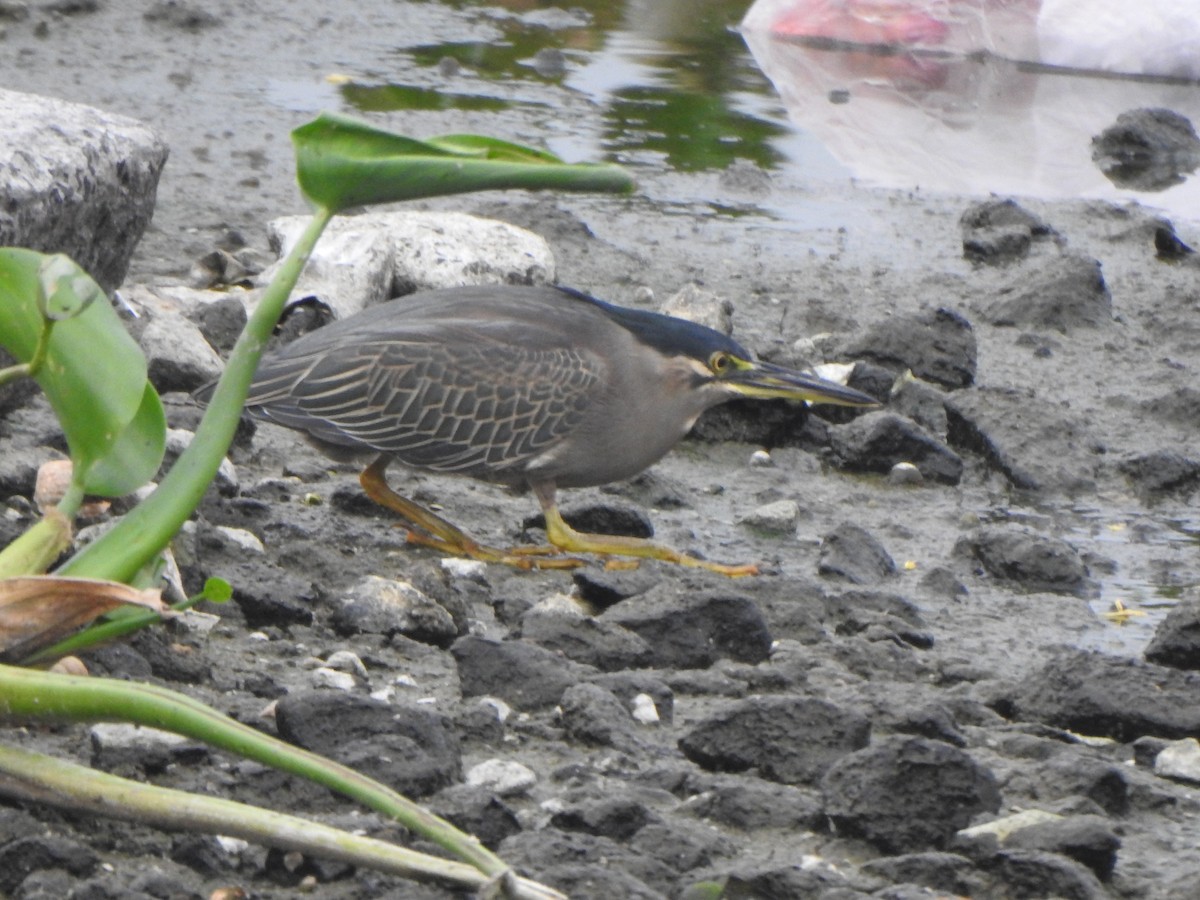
pixel 76 180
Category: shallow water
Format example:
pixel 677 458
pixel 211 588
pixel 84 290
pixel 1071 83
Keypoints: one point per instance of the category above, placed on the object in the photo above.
pixel 1149 552
pixel 676 85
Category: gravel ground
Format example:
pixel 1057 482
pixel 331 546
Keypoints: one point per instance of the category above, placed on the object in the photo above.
pixel 917 657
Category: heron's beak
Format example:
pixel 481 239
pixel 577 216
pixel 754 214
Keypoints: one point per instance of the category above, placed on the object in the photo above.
pixel 765 380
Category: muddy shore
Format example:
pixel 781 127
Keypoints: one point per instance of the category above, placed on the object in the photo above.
pixel 954 626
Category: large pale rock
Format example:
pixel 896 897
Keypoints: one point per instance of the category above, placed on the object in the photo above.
pixel 367 259
pixel 76 180
pixel 178 356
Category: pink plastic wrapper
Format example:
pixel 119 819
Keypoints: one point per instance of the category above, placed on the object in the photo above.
pixel 1137 37
pixel 939 95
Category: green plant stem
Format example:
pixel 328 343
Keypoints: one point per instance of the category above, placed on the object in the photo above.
pixel 12 373
pixel 72 499
pixel 43 779
pixel 36 550
pixel 146 529
pixel 63 783
pixel 43 347
pixel 30 369
pixel 27 694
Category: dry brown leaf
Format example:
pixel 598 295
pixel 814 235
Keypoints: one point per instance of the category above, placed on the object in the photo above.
pixel 39 610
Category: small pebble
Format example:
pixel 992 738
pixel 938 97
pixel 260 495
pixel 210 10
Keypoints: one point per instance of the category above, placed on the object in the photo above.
pixel 761 459
pixel 113 735
pixel 644 710
pixel 1007 825
pixel 242 539
pixel 562 604
pixel 838 373
pixel 1180 760
pixel 550 62
pixel 504 778
pixel 53 479
pixel 779 517
pixel 18 507
pixel 193 622
pixel 329 678
pixel 695 304
pixel 904 473
pixel 346 661
pixel 70 665
pixel 464 569
pixel 503 710
pixel 231 845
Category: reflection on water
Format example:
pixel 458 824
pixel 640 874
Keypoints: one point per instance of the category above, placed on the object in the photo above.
pixel 1149 585
pixel 672 80
pixel 676 86
pixel 1141 563
pixel 667 78
pixel 946 121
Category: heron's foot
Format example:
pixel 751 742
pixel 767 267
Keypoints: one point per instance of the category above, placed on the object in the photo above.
pixel 460 544
pixel 542 550
pixel 567 539
pixel 428 529
pixel 521 557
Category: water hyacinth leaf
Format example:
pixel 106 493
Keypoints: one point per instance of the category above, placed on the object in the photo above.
pixel 94 374
pixel 485 147
pixel 342 162
pixel 66 290
pixel 36 611
pixel 134 454
pixel 217 590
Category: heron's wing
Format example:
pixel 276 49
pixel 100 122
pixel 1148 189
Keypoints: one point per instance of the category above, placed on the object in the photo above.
pixel 470 406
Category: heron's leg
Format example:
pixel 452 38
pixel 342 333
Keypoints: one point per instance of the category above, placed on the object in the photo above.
pixel 431 530
pixel 566 538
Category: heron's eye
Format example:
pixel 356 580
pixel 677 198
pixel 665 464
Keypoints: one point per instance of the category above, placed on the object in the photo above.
pixel 720 363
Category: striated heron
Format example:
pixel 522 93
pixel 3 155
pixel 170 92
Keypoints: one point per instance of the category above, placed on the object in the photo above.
pixel 542 387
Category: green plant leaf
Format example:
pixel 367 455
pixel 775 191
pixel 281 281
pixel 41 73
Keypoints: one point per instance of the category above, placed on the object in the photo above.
pixel 217 590
pixel 704 890
pixel 484 147
pixel 135 452
pixel 342 162
pixel 94 374
pixel 145 530
pixel 66 290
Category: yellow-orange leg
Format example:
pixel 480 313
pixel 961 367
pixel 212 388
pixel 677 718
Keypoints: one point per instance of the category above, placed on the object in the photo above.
pixel 567 539
pixel 431 530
